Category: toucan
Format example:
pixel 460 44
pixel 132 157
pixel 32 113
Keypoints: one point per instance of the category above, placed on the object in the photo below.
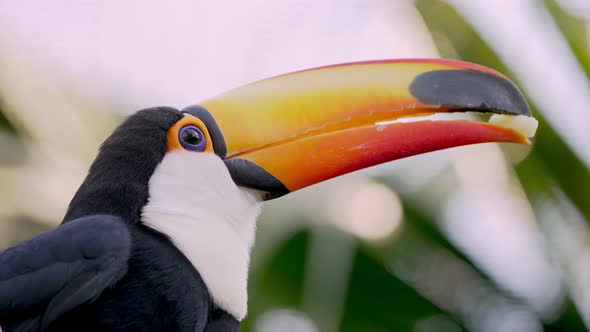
pixel 158 236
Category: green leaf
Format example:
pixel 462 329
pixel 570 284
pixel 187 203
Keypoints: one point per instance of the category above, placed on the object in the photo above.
pixel 5 124
pixel 551 162
pixel 575 31
pixel 279 281
pixel 376 299
pixel 379 301
pixel 554 161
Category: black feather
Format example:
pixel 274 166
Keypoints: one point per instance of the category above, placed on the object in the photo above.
pixel 58 270
pixel 117 182
pixel 88 275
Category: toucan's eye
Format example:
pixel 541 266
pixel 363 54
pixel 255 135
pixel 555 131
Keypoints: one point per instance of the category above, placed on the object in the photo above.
pixel 192 138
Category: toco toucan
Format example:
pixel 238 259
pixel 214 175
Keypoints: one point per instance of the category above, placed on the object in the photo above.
pixel 158 236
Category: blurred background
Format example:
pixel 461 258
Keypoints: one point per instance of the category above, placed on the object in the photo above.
pixel 476 238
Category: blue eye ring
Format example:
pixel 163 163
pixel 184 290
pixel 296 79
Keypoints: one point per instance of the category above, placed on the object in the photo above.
pixel 192 138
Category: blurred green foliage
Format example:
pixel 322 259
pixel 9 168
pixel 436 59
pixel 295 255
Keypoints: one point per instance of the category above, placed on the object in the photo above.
pixel 574 30
pixel 5 124
pixel 551 162
pixel 378 300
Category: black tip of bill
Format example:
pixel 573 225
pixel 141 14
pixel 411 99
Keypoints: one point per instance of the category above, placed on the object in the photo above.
pixel 470 90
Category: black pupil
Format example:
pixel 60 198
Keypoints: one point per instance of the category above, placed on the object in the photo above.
pixel 191 136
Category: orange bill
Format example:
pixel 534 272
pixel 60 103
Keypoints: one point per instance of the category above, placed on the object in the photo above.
pixel 291 131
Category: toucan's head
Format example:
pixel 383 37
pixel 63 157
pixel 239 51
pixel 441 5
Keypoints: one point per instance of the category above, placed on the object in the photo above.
pixel 198 174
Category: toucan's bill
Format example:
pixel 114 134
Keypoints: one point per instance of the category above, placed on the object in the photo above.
pixel 291 131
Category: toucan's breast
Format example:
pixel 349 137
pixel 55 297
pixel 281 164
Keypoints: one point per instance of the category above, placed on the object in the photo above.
pixel 194 201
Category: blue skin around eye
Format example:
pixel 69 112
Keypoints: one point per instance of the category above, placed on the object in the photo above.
pixel 200 147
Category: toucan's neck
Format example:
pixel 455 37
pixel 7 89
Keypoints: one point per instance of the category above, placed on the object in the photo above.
pixel 118 195
pixel 118 180
pixel 195 203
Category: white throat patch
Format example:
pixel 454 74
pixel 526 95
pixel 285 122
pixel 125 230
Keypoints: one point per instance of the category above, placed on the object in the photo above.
pixel 194 201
